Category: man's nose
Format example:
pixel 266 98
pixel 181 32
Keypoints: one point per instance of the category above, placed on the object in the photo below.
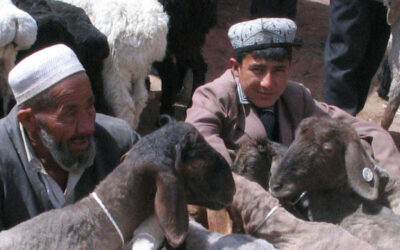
pixel 267 80
pixel 85 125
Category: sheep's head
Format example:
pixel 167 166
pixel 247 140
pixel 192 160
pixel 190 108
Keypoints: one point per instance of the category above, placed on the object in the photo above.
pixel 326 154
pixel 175 166
pixel 205 173
pixel 255 158
pixel 204 177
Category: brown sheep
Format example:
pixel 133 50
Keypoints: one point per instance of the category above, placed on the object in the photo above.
pixel 328 161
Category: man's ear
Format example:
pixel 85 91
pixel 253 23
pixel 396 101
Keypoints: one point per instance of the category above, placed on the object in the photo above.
pixel 27 118
pixel 234 66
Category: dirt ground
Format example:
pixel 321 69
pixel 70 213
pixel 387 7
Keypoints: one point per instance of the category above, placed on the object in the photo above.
pixel 312 22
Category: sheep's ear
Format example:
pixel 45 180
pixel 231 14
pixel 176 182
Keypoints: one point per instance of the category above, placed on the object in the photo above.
pixel 170 208
pixel 361 175
pixel 393 12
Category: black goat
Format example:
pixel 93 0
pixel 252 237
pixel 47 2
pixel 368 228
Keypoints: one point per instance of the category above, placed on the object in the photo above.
pixel 189 23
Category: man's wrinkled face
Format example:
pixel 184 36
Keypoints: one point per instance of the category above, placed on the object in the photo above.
pixel 263 81
pixel 66 129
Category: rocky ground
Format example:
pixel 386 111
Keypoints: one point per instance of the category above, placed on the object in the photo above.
pixel 312 21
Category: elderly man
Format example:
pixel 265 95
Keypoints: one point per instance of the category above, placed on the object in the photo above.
pixel 255 99
pixel 54 147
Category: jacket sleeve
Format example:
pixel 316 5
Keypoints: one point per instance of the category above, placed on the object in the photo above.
pixel 208 116
pixel 383 147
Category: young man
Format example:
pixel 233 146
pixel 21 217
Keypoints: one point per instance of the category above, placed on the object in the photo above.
pixel 54 147
pixel 254 98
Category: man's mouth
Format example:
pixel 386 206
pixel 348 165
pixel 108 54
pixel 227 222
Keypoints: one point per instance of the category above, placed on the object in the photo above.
pixel 80 143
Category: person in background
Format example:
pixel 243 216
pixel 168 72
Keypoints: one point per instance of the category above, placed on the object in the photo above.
pixel 357 39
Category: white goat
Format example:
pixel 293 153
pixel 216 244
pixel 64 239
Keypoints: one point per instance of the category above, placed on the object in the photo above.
pixel 17 31
pixel 393 19
pixel 136 31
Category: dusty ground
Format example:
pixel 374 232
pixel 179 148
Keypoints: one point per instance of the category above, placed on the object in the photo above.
pixel 312 21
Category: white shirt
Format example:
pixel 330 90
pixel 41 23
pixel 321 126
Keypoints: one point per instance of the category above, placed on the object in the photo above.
pixel 56 195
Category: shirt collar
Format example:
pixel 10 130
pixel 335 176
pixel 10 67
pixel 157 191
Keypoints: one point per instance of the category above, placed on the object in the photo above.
pixel 30 154
pixel 242 96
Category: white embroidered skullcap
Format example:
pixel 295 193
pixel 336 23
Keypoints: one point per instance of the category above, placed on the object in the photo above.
pixel 41 70
pixel 262 33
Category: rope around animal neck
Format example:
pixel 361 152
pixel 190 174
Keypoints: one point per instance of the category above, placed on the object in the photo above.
pixel 266 217
pixel 97 199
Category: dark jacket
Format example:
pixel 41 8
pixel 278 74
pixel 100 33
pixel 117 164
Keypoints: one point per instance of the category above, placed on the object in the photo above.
pixel 23 195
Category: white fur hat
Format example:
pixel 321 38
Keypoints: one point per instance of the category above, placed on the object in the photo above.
pixel 41 70
pixel 262 33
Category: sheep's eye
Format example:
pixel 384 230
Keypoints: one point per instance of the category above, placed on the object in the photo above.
pixel 328 147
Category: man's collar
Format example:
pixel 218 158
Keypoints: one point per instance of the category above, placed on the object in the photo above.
pixel 242 96
pixel 30 154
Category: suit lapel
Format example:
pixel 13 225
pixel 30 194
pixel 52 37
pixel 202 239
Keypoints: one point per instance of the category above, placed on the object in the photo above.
pixel 252 125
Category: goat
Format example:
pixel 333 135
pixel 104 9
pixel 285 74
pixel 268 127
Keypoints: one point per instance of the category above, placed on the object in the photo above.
pixel 17 31
pixel 328 161
pixel 136 32
pixel 163 171
pixel 189 23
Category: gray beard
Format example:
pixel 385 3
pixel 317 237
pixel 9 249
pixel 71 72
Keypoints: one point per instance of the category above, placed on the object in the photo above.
pixel 64 157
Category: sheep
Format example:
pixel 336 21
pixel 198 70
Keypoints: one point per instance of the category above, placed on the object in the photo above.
pixel 263 217
pixel 255 158
pixel 160 174
pixel 60 22
pixel 189 23
pixel 394 59
pixel 17 31
pixel 149 236
pixel 136 32
pixel 328 161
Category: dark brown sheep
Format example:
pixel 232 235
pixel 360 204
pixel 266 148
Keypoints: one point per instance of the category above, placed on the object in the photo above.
pixel 255 159
pixel 328 161
pixel 163 172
